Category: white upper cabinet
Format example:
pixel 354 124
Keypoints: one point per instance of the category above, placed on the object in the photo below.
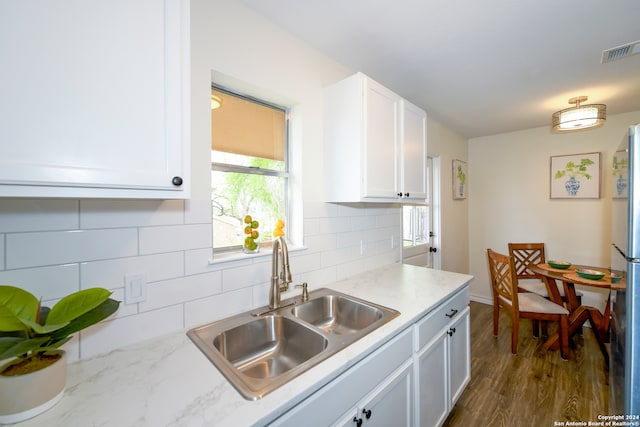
pixel 95 98
pixel 413 134
pixel 375 144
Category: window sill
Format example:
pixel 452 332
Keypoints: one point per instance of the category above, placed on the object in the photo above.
pixel 231 256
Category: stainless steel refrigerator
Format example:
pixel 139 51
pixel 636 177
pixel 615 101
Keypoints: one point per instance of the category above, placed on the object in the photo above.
pixel 624 365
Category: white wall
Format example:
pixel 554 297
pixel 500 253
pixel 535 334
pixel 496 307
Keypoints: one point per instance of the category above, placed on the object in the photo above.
pixel 447 145
pixel 509 198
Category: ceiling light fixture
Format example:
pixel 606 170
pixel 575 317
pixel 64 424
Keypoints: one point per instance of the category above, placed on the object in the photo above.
pixel 579 117
pixel 216 102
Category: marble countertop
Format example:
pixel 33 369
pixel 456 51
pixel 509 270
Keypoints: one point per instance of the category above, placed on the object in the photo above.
pixel 168 381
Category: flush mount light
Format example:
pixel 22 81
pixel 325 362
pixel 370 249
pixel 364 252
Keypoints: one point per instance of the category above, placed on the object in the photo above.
pixel 216 102
pixel 579 117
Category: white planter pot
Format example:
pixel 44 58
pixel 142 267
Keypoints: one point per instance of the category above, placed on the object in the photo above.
pixel 25 396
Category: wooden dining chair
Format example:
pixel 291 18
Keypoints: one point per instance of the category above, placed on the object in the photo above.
pixel 525 254
pixel 527 305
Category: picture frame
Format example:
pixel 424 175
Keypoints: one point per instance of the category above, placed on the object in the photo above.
pixel 575 176
pixel 620 171
pixel 459 179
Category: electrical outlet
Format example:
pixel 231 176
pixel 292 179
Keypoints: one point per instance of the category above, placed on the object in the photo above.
pixel 135 288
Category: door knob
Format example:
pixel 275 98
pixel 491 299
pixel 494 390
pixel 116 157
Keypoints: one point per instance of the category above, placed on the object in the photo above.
pixel 432 249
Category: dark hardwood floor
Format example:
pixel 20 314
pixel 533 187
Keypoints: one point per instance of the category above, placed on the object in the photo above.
pixel 533 388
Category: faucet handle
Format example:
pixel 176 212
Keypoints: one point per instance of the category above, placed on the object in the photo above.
pixel 305 292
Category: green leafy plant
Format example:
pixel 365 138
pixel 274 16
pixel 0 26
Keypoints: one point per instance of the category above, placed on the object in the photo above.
pixel 28 330
pixel 620 166
pixel 462 177
pixel 574 170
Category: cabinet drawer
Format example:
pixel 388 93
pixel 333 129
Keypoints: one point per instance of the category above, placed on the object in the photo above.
pixel 433 323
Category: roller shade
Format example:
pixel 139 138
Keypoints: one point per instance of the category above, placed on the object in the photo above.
pixel 243 127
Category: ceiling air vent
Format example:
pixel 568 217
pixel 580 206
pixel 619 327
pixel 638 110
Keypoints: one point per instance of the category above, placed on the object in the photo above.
pixel 620 52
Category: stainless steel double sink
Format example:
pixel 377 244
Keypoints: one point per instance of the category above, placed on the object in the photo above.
pixel 261 350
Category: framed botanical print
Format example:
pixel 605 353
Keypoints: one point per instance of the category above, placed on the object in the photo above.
pixel 575 176
pixel 459 175
pixel 620 168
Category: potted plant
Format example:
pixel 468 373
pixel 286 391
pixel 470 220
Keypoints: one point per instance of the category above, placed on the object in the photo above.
pixel 573 170
pixel 31 335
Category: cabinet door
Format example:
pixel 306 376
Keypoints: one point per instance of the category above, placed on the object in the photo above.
pixel 459 356
pixel 414 152
pixel 380 151
pixel 94 97
pixel 432 382
pixel 389 404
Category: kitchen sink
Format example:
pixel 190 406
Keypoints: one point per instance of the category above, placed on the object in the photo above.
pixel 337 314
pixel 269 346
pixel 261 350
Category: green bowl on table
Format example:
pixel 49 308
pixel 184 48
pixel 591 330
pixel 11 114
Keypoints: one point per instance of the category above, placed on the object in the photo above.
pixel 590 274
pixel 615 278
pixel 561 265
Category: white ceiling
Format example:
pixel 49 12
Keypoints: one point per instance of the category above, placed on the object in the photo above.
pixel 479 67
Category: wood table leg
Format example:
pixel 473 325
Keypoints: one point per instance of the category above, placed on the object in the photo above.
pixel 576 320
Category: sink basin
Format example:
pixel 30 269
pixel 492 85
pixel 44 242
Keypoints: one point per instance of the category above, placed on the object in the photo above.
pixel 269 346
pixel 261 350
pixel 337 314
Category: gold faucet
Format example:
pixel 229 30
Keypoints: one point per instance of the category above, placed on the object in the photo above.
pixel 280 277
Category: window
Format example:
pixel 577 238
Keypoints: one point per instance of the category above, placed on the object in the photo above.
pixel 249 167
pixel 415 225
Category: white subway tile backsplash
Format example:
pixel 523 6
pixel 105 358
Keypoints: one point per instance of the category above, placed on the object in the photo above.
pixel 333 225
pixel 47 282
pixel 55 247
pixel 246 276
pixel 352 238
pixel 210 309
pixel 18 215
pixel 197 211
pixel 316 279
pixel 196 261
pixel 311 226
pixel 362 222
pixel 391 220
pixel 315 209
pixel 130 213
pixel 61 247
pixel 110 273
pixel 339 256
pixel 180 290
pixel 113 334
pixel 304 262
pixel 321 243
pixel 174 238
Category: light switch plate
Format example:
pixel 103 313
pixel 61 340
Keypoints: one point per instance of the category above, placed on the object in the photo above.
pixel 135 288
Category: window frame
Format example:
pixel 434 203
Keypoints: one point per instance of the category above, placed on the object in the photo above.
pixel 251 170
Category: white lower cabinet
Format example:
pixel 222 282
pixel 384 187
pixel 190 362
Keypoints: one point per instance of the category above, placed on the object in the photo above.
pixel 381 382
pixel 442 361
pixel 412 380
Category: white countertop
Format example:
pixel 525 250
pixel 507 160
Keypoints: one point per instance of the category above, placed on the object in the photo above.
pixel 168 381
